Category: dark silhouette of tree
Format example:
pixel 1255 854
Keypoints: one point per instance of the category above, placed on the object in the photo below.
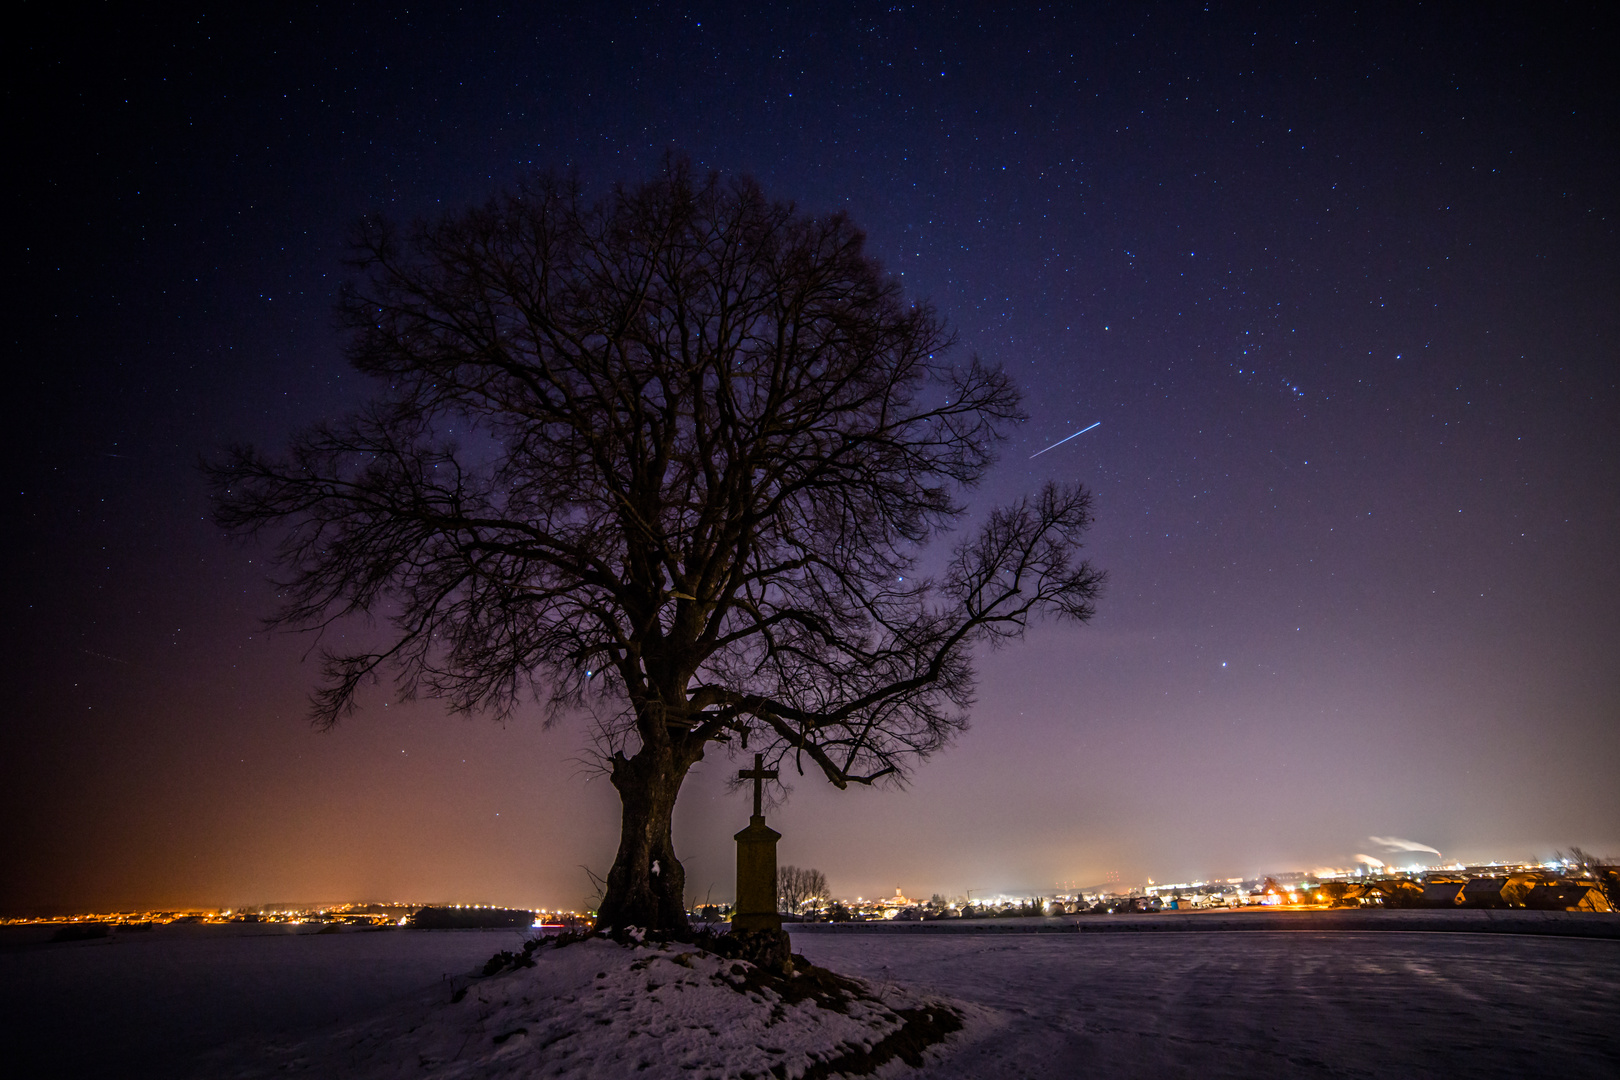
pixel 1606 872
pixel 670 457
pixel 797 887
pixel 1334 891
pixel 1579 860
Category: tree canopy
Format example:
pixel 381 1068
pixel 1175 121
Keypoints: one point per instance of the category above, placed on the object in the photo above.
pixel 671 455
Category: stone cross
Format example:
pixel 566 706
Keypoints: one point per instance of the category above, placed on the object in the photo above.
pixel 758 774
pixel 756 868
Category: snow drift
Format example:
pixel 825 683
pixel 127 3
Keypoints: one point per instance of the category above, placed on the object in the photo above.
pixel 596 1008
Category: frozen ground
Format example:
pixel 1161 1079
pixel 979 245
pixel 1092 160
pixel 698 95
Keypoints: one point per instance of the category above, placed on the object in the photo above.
pixel 1199 1003
pixel 143 1005
pixel 1247 1004
pixel 597 1010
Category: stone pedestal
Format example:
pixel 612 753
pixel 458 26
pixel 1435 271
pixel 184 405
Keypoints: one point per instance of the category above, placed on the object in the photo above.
pixel 756 928
pixel 756 878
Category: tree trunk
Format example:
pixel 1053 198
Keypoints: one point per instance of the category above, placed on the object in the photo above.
pixel 647 885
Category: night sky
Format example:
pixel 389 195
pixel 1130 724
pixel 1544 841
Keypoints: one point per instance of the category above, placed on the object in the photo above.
pixel 1342 289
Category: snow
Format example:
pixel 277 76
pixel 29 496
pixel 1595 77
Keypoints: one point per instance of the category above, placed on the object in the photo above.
pixel 210 1001
pixel 595 1010
pixel 144 1004
pixel 1260 1003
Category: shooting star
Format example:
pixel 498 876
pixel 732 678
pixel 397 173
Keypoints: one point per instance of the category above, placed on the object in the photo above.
pixel 1060 442
pixel 104 656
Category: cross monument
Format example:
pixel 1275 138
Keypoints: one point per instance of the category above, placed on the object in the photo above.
pixel 756 862
pixel 758 774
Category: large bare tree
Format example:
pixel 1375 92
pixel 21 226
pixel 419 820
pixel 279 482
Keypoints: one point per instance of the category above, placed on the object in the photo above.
pixel 670 456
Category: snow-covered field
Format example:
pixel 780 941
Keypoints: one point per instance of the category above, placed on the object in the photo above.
pixel 209 1001
pixel 1246 1004
pixel 146 1004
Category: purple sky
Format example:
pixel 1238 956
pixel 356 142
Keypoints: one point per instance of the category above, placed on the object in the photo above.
pixel 1341 290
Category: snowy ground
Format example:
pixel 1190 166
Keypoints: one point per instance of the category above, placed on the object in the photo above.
pixel 234 1001
pixel 597 1010
pixel 145 1004
pixel 1290 1003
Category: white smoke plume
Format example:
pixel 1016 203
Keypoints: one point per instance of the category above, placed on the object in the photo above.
pixel 1397 844
pixel 1370 861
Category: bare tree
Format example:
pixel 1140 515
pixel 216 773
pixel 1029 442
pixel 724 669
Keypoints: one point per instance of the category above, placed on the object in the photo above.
pixel 816 892
pixel 789 891
pixel 797 888
pixel 670 456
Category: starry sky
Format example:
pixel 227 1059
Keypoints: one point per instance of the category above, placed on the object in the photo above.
pixel 1338 287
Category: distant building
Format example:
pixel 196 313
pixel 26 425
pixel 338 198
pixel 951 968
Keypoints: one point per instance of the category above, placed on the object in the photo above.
pixel 1485 892
pixel 1394 892
pixel 1343 894
pixel 1442 894
pixel 1567 896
